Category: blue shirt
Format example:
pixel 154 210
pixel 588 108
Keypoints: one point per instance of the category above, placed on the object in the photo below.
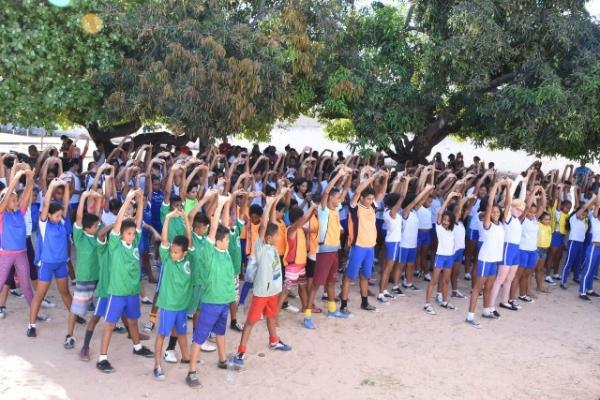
pixel 155 202
pixel 35 217
pixel 52 245
pixel 12 231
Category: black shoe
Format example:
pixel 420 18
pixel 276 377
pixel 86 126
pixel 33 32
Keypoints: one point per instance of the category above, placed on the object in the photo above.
pixel 576 280
pixel 488 316
pixel 563 286
pixel 192 380
pixel 235 326
pixel 368 307
pixel 31 332
pixel 496 314
pixel 105 366
pixel 397 291
pixel 222 364
pixel 581 296
pixel 80 320
pixel 593 294
pixel 509 306
pixel 144 352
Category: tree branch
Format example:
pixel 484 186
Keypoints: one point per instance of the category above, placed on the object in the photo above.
pixel 500 80
pixel 161 137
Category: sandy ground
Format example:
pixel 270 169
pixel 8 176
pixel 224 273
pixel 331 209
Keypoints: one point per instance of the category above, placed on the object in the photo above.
pixel 547 350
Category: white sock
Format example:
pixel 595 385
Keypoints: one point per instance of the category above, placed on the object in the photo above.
pixel 386 292
pixel 137 347
pixel 470 316
pixel 103 357
pixel 32 325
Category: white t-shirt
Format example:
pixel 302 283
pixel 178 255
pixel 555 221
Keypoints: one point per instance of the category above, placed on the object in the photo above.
pixel 410 231
pixel 445 241
pixel 595 229
pixel 512 231
pixel 108 218
pixel 393 226
pixel 529 234
pixel 459 236
pixel 424 215
pixel 577 232
pixel 493 243
pixel 76 185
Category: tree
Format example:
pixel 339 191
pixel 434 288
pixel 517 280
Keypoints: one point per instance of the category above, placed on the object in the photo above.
pixel 521 75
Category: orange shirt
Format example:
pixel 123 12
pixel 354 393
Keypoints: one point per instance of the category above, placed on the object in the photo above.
pixel 296 248
pixel 313 236
pixel 362 227
pixel 281 238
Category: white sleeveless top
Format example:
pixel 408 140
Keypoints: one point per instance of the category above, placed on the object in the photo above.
pixel 459 236
pixel 595 229
pixel 512 231
pixel 493 243
pixel 577 232
pixel 529 234
pixel 410 231
pixel 445 241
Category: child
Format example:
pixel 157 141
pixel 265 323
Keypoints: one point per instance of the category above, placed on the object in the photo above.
pixel 176 290
pixel 85 240
pixel 124 280
pixel 267 285
pixel 252 224
pixel 53 246
pixel 218 291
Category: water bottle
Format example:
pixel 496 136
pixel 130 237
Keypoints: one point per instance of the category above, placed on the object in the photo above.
pixel 230 376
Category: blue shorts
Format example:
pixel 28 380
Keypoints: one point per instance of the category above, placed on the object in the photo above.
pixel 169 320
pixel 424 237
pixel 558 239
pixel 473 234
pixel 213 318
pixel 527 259
pixel 360 260
pixel 485 269
pixel 444 262
pixel 119 305
pixel 459 255
pixel 392 251
pixel 144 245
pixel 58 270
pixel 101 305
pixel 408 256
pixel 511 254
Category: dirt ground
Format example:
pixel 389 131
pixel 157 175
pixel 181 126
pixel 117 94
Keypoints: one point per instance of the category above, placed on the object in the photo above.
pixel 547 350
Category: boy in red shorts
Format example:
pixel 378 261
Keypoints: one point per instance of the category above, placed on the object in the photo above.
pixel 267 284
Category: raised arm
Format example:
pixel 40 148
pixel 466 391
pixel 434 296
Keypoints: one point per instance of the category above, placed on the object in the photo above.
pixel 418 200
pixel 264 221
pixel 506 183
pixel 121 215
pixel 9 190
pixel 330 186
pixel 214 221
pixel 487 219
pixel 445 205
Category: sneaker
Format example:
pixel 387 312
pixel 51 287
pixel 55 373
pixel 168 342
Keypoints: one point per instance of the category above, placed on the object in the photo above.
pixel 509 306
pixel 238 361
pixel 144 352
pixel 279 346
pixel 80 320
pixel 382 299
pixel 416 274
pixel 448 306
pixel 412 287
pixel 468 277
pixel 207 347
pixel 69 342
pixel 496 314
pixel 345 311
pixel 368 307
pixel 292 308
pixel 192 379
pixel 564 286
pixel 438 298
pixel 458 295
pixel 473 323
pixel 222 364
pixel 581 296
pixel 213 338
pixel 84 354
pixel 427 277
pixel 119 328
pixel 526 299
pixel 398 292
pixel 148 326
pixel 147 302
pixel 158 373
pixel 593 294
pixel 428 308
pixel 236 326
pixel 548 279
pixel 43 318
pixel 324 297
pixel 337 314
pixel 556 277
pixel 16 292
pixel 48 304
pixel 31 332
pixel 515 304
pixel 308 323
pixel 170 356
pixel 388 295
pixel 2 312
pixel 105 366
pixel 488 315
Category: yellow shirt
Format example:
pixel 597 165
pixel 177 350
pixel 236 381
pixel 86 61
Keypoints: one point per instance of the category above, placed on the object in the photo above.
pixel 362 228
pixel 544 236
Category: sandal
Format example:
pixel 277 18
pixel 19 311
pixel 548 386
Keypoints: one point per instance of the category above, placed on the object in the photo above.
pixel 316 310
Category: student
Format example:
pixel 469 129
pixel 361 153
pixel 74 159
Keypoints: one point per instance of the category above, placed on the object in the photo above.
pixel 253 217
pixel 471 248
pixel 53 246
pixel 461 213
pixel 577 232
pixel 592 256
pixel 267 285
pixel 235 250
pixel 393 226
pixel 489 256
pixel 444 258
pixel 176 289
pixel 13 246
pixel 85 240
pixel 296 257
pixel 218 291
pixel 558 239
pixel 362 235
pixel 124 280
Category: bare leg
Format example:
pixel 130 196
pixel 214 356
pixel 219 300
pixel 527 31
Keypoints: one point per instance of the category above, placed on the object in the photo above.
pixel 221 348
pixel 431 285
pixel 501 279
pixel 40 293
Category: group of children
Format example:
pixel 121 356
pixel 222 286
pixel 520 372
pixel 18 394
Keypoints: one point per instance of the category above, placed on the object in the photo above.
pixel 228 223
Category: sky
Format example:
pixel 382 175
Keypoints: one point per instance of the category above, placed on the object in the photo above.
pixel 593 6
